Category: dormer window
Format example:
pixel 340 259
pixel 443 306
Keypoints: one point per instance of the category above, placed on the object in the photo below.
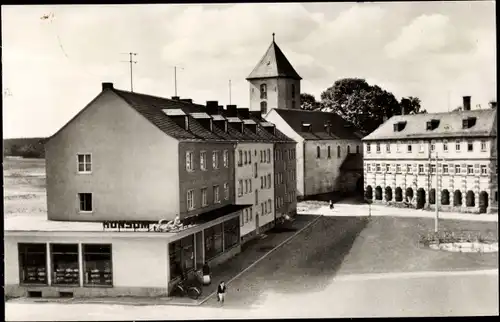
pixel 399 126
pixel 468 122
pixel 432 125
pixel 306 127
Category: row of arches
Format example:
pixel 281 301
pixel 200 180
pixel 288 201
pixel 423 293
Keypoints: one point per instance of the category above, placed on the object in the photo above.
pixel 387 195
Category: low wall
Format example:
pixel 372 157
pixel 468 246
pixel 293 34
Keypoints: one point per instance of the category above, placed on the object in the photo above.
pixel 443 208
pixel 83 292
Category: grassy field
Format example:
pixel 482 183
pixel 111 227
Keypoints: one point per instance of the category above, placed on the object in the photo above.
pixel 24 186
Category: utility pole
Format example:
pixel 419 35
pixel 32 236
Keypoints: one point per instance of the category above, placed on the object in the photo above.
pixel 175 78
pixel 131 62
pixel 436 201
pixel 229 92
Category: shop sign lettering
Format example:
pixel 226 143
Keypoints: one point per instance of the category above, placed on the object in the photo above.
pixel 126 225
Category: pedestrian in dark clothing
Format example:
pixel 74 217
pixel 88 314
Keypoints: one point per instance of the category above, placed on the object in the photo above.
pixel 331 205
pixel 221 292
pixel 206 274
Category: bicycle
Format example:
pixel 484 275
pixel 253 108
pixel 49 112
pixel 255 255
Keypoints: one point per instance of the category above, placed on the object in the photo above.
pixel 191 291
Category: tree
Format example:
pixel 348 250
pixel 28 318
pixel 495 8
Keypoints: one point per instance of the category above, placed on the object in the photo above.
pixel 363 105
pixel 411 105
pixel 308 102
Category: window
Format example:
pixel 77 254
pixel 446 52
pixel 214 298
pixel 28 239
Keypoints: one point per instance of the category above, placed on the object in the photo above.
pixel 246 186
pixel 268 155
pixel 270 205
pixel 293 91
pixel 457 168
pixel 470 169
pixel 231 233
pixel 204 200
pixel 33 263
pixel 422 148
pixel 378 167
pixel 213 241
pixel 190 199
pixel 216 194
pixel 387 167
pixel 484 169
pixel 246 157
pixel 368 168
pixel 338 151
pixel 398 147
pixel 215 159
pixel 65 267
pixel 85 202
pixel 388 148
pixel 433 168
pixel 263 91
pixel 250 184
pixel 398 168
pixel 357 149
pixel 226 159
pixel 348 149
pixel 408 168
pixel 181 256
pixel 408 148
pixel 318 152
pixel 251 213
pixel 261 182
pixel 249 157
pixel 84 163
pixel 97 265
pixel 240 158
pixel 329 153
pixel 470 146
pixel 255 169
pixel 240 188
pixel 378 147
pixel 189 161
pixel 262 210
pixel 445 146
pixel 445 168
pixel 203 160
pixel 226 190
pixel 269 180
pixel 261 156
pixel 457 146
pixel 368 149
pixel 263 107
pixel 420 168
pixel 483 145
pixel 433 147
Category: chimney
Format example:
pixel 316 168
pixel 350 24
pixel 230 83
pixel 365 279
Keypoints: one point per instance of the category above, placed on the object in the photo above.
pixel 232 110
pixel 176 98
pixel 243 113
pixel 212 107
pixel 186 100
pixel 106 86
pixel 220 109
pixel 466 100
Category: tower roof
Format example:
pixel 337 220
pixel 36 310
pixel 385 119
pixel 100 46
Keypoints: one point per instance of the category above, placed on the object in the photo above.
pixel 273 64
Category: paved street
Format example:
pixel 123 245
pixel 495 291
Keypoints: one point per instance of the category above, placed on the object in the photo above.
pixel 327 271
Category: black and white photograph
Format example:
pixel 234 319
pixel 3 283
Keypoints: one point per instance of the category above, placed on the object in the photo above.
pixel 275 160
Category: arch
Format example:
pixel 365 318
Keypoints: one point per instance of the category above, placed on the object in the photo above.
pixel 263 107
pixel 348 149
pixel 399 194
pixel 318 152
pixel 388 193
pixel 432 196
pixel 359 185
pixel 470 199
pixel 338 151
pixel 378 193
pixel 483 202
pixel 409 194
pixel 357 149
pixel 369 192
pixel 329 152
pixel 420 198
pixel 457 198
pixel 445 197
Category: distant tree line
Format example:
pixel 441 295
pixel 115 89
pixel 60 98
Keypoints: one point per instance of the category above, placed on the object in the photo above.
pixel 365 106
pixel 26 148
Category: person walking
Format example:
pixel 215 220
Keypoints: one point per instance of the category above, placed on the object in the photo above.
pixel 206 274
pixel 331 205
pixel 221 292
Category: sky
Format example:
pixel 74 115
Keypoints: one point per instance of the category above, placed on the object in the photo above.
pixel 52 68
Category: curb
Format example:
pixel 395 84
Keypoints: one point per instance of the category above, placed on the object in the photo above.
pixel 265 255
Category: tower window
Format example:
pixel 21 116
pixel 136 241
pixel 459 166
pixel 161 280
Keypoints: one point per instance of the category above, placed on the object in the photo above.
pixel 263 107
pixel 263 91
pixel 293 91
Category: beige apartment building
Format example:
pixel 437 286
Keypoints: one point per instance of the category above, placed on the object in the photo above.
pixel 405 155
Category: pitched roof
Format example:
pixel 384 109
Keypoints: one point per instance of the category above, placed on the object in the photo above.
pixel 339 128
pixel 448 125
pixel 353 162
pixel 273 64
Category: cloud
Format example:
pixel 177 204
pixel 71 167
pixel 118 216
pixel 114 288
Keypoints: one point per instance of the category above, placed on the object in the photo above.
pixel 54 69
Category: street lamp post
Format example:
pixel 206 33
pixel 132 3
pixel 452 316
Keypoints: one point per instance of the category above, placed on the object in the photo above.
pixel 436 199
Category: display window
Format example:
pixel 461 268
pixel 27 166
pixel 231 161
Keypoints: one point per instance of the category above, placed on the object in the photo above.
pixel 33 263
pixel 97 265
pixel 181 256
pixel 65 268
pixel 213 241
pixel 231 233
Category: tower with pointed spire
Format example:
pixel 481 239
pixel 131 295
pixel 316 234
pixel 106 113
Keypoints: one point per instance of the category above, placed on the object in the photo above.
pixel 274 83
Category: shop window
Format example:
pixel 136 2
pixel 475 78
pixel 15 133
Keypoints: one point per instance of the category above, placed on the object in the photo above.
pixel 181 256
pixel 65 268
pixel 231 233
pixel 213 241
pixel 33 263
pixel 97 265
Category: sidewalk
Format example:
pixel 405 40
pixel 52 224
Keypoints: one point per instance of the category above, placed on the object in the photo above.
pixel 251 253
pixel 381 210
